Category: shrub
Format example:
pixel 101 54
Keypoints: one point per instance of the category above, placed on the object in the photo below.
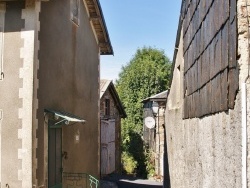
pixel 150 163
pixel 129 163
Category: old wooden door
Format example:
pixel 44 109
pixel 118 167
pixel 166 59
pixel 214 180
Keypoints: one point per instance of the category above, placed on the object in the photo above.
pixel 55 158
pixel 104 160
pixel 108 146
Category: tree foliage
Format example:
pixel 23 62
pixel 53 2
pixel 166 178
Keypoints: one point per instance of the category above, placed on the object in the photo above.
pixel 147 74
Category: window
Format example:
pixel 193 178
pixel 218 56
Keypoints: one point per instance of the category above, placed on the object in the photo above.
pixel 107 107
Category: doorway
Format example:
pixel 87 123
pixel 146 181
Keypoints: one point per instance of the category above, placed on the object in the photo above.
pixel 55 158
pixel 108 150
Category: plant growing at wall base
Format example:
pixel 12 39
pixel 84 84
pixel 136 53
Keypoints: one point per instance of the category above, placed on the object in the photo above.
pixel 150 162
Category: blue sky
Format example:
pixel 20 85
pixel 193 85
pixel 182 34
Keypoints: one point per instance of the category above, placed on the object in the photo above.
pixel 133 24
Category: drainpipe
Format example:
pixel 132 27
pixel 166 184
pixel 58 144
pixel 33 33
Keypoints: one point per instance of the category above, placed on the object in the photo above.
pixel 244 114
pixel 244 135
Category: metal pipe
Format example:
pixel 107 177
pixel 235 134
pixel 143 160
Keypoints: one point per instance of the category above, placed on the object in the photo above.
pixel 244 114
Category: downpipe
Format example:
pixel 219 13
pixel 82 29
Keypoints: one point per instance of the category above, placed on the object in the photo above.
pixel 244 135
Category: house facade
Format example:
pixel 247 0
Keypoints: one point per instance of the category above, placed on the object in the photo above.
pixel 207 111
pixel 49 83
pixel 111 112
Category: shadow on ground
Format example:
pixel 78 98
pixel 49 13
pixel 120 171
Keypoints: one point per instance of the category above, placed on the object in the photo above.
pixel 131 182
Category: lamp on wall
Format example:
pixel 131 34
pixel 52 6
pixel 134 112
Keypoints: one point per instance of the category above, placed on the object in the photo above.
pixel 155 107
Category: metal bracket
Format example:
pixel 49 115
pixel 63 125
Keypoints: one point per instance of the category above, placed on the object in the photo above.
pixel 58 118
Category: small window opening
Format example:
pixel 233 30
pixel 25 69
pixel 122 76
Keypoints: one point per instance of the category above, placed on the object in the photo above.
pixel 107 107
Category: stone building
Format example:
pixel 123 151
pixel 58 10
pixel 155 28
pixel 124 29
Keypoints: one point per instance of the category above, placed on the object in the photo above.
pixel 154 130
pixel 49 84
pixel 111 112
pixel 208 104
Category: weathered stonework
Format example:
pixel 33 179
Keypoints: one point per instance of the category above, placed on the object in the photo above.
pixel 159 141
pixel 243 48
pixel 114 113
pixel 207 151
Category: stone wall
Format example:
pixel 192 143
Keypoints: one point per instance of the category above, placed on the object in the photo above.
pixel 206 151
pixel 114 115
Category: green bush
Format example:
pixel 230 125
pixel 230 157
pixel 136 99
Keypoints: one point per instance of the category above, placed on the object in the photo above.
pixel 147 74
pixel 129 163
pixel 150 163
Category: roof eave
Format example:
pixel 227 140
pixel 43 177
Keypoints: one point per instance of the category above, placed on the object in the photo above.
pixel 99 25
pixel 154 99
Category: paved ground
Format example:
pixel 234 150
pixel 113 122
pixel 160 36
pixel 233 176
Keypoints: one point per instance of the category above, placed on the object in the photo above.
pixel 108 184
pixel 116 181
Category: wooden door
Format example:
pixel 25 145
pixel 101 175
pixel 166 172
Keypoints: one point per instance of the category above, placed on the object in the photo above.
pixel 108 147
pixel 111 145
pixel 55 158
pixel 104 160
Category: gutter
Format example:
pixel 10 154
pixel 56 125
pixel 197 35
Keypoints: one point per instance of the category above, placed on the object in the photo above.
pixel 244 134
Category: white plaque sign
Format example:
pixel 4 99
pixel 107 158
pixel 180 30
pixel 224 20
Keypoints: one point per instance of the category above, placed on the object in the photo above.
pixel 150 122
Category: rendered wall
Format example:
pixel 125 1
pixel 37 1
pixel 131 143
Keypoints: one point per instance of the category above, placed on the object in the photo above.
pixel 68 80
pixel 16 94
pixel 206 152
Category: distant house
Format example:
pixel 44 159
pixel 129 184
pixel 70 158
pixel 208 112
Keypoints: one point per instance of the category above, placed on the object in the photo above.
pixel 154 128
pixel 208 103
pixel 49 82
pixel 111 112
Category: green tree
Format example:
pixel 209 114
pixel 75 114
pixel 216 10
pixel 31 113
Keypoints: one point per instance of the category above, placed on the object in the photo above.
pixel 147 74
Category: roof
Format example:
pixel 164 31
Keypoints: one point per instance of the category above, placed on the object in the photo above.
pixel 108 85
pixel 97 19
pixel 158 97
pixel 103 86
